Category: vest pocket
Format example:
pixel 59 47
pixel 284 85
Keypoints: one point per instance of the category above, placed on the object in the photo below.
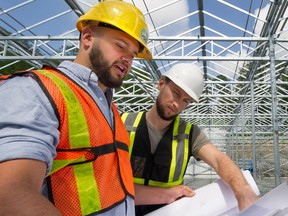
pixel 161 168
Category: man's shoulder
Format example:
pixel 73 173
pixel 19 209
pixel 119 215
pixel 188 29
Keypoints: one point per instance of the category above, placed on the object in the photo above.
pixel 129 119
pixel 131 114
pixel 183 121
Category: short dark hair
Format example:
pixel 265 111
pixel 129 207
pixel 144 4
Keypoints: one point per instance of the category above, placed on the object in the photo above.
pixel 166 79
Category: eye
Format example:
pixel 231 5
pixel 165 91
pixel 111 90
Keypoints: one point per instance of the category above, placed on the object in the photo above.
pixel 177 94
pixel 120 46
pixel 134 55
pixel 187 101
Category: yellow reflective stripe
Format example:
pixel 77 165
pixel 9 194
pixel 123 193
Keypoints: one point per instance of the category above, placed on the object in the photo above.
pixel 78 136
pixel 87 188
pixel 73 107
pixel 58 164
pixel 133 133
pixel 138 181
pixel 186 149
pixel 174 150
pixel 124 117
pixel 165 184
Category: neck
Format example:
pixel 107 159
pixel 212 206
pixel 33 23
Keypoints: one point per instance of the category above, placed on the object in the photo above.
pixel 80 60
pixel 103 87
pixel 155 120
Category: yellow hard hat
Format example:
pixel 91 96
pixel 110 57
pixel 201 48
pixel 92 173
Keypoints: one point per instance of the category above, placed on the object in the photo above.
pixel 123 16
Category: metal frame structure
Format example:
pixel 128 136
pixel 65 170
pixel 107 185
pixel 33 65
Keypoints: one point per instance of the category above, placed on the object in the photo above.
pixel 243 110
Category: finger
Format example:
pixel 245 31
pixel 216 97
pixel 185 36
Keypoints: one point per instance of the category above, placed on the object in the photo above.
pixel 187 191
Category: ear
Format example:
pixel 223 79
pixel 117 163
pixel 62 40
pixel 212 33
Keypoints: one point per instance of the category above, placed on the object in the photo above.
pixel 160 84
pixel 86 37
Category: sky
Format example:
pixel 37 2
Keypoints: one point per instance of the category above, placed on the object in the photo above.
pixel 54 17
pixel 164 12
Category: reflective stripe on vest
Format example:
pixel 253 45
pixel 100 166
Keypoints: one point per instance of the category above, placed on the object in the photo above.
pixel 180 150
pixel 133 132
pixel 92 171
pixel 78 139
pixel 76 117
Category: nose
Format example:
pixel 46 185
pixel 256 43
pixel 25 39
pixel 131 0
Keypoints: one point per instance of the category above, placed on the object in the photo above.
pixel 176 104
pixel 127 59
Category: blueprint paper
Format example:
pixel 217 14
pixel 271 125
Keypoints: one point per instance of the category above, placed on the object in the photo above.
pixel 213 199
pixel 275 202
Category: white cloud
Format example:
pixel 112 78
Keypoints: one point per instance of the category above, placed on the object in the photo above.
pixel 262 15
pixel 230 69
pixel 162 13
pixel 280 33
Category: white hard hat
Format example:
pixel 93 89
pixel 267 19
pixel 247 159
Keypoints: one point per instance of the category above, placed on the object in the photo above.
pixel 188 77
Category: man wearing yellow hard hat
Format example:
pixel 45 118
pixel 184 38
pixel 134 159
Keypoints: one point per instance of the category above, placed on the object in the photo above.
pixel 59 126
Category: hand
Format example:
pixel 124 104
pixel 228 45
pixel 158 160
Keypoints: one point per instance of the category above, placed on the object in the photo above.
pixel 174 193
pixel 246 197
pixel 151 195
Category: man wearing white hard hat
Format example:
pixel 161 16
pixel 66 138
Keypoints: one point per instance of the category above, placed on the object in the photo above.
pixel 161 144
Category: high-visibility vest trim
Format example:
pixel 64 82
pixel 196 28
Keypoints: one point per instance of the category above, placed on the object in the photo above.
pixel 132 133
pixel 179 149
pixel 158 183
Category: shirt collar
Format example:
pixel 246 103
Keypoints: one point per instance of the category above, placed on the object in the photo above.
pixel 85 74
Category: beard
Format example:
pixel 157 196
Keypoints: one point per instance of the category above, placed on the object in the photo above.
pixel 161 110
pixel 102 68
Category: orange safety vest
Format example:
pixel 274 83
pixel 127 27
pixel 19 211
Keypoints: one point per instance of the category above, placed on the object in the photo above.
pixel 92 171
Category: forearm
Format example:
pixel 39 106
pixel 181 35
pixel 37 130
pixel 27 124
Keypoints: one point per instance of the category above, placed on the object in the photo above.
pixel 229 173
pixel 22 200
pixel 232 175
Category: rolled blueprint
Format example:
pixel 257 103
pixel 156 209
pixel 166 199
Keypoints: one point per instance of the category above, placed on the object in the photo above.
pixel 214 199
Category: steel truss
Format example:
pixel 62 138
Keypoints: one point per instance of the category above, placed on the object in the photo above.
pixel 243 111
